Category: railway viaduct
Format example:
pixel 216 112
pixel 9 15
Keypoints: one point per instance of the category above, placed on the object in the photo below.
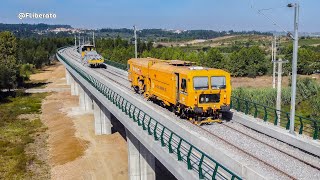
pixel 246 148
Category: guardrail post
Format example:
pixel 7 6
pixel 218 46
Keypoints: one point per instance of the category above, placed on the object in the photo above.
pixel 124 107
pixel 188 158
pixel 161 137
pixel 256 110
pixel 179 151
pixel 301 125
pixel 149 128
pixel 265 118
pixel 139 123
pixel 288 122
pixel 129 111
pixel 238 104
pixel 215 172
pixel 155 132
pixel 275 117
pixel 170 144
pixel 200 167
pixel 316 130
pixel 134 114
pixel 247 107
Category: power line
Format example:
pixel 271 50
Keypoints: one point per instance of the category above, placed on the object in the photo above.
pixel 260 11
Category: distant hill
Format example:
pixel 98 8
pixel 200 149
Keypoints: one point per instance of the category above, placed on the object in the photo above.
pixel 30 27
pixel 30 30
pixel 175 34
pixel 37 30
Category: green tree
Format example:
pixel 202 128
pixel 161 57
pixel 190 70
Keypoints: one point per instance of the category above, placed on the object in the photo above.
pixel 214 59
pixel 248 62
pixel 8 70
pixel 41 57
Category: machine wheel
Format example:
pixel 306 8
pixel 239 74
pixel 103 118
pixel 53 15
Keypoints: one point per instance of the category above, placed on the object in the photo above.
pixel 227 115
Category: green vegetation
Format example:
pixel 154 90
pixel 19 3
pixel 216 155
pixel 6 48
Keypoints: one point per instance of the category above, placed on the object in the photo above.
pixel 16 134
pixel 308 63
pixel 34 30
pixel 19 57
pixel 261 103
pixel 308 97
pixel 8 71
pixel 249 61
pixel 171 35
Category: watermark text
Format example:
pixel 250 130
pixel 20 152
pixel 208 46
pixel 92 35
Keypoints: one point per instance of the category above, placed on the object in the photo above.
pixel 33 15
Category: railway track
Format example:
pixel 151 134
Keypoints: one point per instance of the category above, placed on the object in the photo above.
pixel 273 147
pixel 98 70
pixel 113 76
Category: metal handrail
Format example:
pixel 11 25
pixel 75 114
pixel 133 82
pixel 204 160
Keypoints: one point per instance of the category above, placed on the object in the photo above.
pixel 116 64
pixel 196 160
pixel 303 125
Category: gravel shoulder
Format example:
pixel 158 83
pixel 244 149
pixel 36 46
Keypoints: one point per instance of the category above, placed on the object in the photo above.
pixel 73 150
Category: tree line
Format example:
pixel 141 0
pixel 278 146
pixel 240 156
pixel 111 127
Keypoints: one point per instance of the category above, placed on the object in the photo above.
pixel 19 57
pixel 240 61
pixel 178 35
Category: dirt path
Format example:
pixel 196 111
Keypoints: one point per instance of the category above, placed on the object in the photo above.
pixel 74 151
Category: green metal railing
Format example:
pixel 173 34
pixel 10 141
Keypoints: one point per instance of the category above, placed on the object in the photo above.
pixel 116 64
pixel 194 158
pixel 303 125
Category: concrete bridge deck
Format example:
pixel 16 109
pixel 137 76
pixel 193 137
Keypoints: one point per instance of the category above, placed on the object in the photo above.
pixel 242 152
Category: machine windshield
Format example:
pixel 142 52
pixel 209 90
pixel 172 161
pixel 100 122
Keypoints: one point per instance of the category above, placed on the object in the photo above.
pixel 218 82
pixel 200 83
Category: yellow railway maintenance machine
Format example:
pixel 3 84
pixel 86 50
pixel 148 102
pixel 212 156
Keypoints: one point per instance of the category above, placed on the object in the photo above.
pixel 90 57
pixel 199 94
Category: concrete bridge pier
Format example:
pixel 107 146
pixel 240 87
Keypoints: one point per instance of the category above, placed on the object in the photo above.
pixel 87 102
pixel 82 99
pixel 141 163
pixel 72 88
pixel 68 76
pixel 76 88
pixel 102 119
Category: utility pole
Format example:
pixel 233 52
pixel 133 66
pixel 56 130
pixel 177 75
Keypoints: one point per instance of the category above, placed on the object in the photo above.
pixel 135 42
pixel 294 66
pixel 274 64
pixel 79 40
pixel 278 104
pixel 75 40
pixel 94 43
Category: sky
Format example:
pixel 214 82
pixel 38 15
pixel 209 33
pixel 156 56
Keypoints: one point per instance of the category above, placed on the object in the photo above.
pixel 168 14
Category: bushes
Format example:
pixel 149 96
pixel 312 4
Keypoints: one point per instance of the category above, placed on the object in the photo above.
pixel 16 134
pixel 8 70
pixel 307 98
pixel 19 56
pixel 265 96
pixel 249 62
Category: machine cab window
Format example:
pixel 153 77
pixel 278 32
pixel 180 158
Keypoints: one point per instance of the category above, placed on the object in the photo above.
pixel 200 83
pixel 218 82
pixel 183 85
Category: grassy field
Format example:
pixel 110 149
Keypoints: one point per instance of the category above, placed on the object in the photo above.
pixel 16 132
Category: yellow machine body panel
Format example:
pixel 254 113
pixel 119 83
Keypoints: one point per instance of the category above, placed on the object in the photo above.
pixel 95 61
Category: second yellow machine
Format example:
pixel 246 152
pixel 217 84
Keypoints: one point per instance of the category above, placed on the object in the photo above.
pixel 90 57
pixel 199 94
